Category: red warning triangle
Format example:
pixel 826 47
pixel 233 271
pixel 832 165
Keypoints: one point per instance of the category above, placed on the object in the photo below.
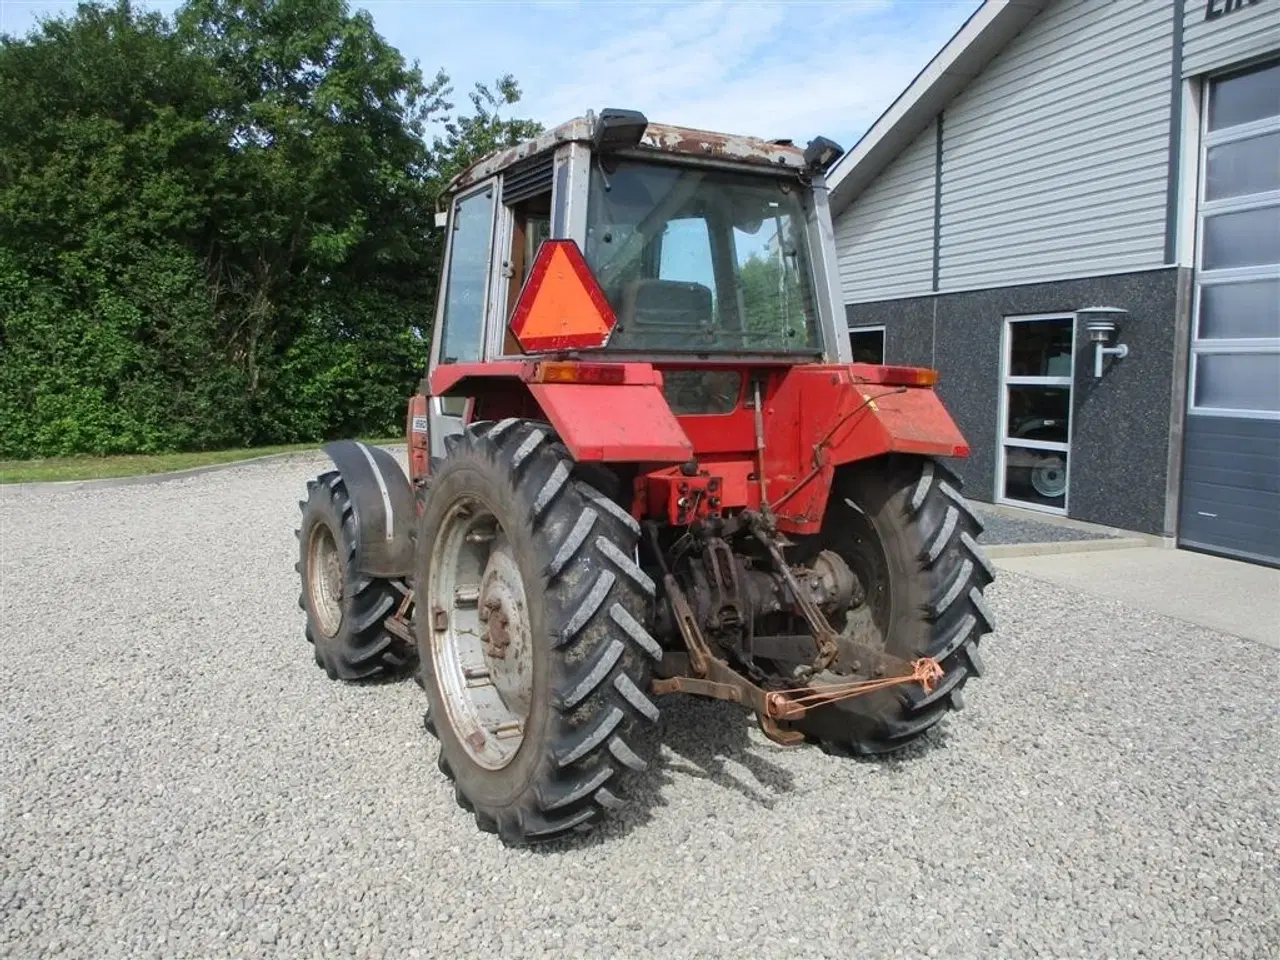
pixel 561 306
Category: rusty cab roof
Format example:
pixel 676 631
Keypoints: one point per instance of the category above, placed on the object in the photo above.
pixel 658 139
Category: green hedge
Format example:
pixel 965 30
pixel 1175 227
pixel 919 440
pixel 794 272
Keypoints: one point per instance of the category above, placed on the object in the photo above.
pixel 215 228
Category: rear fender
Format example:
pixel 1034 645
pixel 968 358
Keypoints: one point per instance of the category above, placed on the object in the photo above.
pixel 897 420
pixel 603 412
pixel 614 423
pixel 383 504
pixel 825 417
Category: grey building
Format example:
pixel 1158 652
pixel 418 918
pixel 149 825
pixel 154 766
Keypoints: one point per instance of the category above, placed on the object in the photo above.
pixel 1064 155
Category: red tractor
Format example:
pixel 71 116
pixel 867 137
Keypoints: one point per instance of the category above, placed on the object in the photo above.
pixel 644 463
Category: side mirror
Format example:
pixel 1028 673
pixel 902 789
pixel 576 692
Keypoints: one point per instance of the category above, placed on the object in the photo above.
pixel 442 219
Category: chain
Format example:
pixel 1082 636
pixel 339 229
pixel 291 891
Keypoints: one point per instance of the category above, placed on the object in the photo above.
pixel 926 671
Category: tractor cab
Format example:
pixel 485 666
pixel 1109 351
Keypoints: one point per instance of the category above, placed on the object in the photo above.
pixel 708 248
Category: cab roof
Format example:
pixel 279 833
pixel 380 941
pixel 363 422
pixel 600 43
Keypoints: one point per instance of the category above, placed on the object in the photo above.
pixel 657 138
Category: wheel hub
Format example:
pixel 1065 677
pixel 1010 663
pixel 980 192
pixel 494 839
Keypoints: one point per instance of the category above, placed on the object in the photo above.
pixel 480 639
pixel 324 580
pixel 506 632
pixel 496 637
pixel 832 583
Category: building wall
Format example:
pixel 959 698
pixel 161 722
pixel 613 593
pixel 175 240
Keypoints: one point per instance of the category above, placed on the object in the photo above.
pixel 884 242
pixel 1066 178
pixel 1218 32
pixel 1055 159
pixel 1120 424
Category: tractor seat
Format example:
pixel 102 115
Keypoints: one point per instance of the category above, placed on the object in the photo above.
pixel 666 304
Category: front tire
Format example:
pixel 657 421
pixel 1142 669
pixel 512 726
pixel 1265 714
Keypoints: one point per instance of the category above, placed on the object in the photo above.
pixel 531 635
pixel 906 531
pixel 345 609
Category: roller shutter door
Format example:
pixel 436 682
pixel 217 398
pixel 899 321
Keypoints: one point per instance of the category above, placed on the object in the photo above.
pixel 1231 459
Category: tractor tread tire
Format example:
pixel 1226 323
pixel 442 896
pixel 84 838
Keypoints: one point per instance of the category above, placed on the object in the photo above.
pixel 599 653
pixel 935 517
pixel 362 649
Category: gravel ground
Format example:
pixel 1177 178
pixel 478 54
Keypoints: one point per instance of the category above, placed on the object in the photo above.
pixel 179 780
pixel 999 528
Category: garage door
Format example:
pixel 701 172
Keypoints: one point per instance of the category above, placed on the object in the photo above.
pixel 1231 473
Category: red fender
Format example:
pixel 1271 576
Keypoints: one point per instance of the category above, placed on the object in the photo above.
pixel 824 416
pixel 602 412
pixel 630 424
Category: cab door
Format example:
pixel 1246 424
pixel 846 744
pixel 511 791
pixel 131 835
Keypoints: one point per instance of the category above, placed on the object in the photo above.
pixel 464 304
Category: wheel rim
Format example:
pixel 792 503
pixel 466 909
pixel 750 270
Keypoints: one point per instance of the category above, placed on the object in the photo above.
pixel 324 579
pixel 480 634
pixel 1050 478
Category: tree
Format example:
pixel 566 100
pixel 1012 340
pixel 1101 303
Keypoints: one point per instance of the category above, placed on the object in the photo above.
pixel 217 229
pixel 470 138
pixel 322 240
pixel 778 309
pixel 106 329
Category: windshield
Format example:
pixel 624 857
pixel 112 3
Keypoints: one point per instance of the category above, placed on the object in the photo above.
pixel 702 261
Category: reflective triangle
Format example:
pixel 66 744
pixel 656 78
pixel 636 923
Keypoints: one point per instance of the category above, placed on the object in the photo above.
pixel 562 306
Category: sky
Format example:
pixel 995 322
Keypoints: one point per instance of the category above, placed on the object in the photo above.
pixel 767 68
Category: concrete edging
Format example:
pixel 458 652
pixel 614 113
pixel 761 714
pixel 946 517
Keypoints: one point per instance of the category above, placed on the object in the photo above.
pixel 144 479
pixel 997 551
pixel 1070 523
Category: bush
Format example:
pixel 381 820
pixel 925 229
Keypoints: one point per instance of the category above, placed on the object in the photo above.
pixel 216 229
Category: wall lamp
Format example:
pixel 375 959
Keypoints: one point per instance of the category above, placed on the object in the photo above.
pixel 1103 326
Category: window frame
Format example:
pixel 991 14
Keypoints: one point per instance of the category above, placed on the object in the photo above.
pixel 501 272
pixel 879 328
pixel 1002 424
pixel 457 405
pixel 812 277
pixel 1205 209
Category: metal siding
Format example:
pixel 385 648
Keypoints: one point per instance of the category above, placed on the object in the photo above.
pixel 1055 159
pixel 884 239
pixel 1230 38
pixel 1231 486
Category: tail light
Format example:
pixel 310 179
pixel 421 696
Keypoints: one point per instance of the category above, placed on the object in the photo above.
pixel 893 376
pixel 562 372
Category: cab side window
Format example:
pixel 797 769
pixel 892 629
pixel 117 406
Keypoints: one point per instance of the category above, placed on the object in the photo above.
pixel 530 226
pixel 462 336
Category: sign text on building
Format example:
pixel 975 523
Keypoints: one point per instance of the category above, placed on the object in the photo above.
pixel 1213 9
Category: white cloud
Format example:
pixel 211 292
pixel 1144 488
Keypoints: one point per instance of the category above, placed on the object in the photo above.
pixel 763 67
pixel 768 69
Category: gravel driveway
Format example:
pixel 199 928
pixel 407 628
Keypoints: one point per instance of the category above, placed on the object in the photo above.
pixel 179 780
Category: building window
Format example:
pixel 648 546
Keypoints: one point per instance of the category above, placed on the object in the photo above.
pixel 868 344
pixel 1235 347
pixel 1035 412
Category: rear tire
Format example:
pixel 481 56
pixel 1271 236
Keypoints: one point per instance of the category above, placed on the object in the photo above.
pixel 912 541
pixel 345 610
pixel 545 723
